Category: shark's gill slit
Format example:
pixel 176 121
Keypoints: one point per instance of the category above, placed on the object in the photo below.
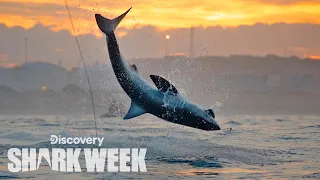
pixel 84 66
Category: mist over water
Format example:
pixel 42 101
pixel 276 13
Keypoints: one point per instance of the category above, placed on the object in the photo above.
pixel 273 115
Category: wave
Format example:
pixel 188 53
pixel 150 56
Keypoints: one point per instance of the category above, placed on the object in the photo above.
pixel 312 176
pixel 198 163
pixel 312 126
pixel 233 123
pixel 282 120
pixel 20 136
pixel 292 138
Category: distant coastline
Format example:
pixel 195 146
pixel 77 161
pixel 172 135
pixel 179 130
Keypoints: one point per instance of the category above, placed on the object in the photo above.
pixel 241 84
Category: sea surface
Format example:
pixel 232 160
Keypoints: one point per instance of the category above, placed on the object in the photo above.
pixel 256 147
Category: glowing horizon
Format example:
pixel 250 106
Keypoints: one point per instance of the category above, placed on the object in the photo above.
pixel 163 15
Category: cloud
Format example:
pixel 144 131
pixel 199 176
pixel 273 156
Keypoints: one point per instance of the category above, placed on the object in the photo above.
pixel 47 45
pixel 286 2
pixel 163 14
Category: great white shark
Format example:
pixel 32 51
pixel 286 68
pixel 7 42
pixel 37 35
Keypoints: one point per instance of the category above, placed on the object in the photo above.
pixel 164 100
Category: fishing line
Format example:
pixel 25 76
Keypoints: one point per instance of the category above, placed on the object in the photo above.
pixel 84 66
pixel 219 139
pixel 225 135
pixel 229 129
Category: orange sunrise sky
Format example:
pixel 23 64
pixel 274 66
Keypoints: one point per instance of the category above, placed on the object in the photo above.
pixel 222 28
pixel 164 14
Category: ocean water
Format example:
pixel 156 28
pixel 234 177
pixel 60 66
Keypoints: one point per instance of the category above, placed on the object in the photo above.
pixel 256 147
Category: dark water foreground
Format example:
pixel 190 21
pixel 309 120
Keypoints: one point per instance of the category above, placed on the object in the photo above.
pixel 257 147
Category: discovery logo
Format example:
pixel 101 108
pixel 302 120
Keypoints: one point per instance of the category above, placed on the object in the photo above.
pixel 54 139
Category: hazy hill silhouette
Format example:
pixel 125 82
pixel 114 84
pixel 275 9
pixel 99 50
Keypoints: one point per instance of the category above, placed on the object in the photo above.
pixel 235 84
pixel 6 90
pixel 40 66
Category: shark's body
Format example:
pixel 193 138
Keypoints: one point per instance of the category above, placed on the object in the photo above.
pixel 164 101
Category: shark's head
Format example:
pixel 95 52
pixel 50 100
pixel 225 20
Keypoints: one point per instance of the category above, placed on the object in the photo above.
pixel 208 117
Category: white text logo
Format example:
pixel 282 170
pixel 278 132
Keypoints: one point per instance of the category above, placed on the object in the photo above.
pixel 67 160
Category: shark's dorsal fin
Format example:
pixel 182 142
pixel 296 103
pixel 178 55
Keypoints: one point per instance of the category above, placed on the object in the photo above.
pixel 134 67
pixel 134 111
pixel 163 85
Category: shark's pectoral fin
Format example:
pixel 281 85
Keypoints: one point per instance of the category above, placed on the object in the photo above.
pixel 134 111
pixel 163 85
pixel 134 67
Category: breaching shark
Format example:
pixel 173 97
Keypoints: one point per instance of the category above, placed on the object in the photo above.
pixel 164 100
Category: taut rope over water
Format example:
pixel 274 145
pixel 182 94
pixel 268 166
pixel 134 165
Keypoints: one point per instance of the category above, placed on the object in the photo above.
pixel 84 66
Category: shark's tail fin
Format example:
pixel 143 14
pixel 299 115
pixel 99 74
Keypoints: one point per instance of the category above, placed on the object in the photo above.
pixel 107 26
